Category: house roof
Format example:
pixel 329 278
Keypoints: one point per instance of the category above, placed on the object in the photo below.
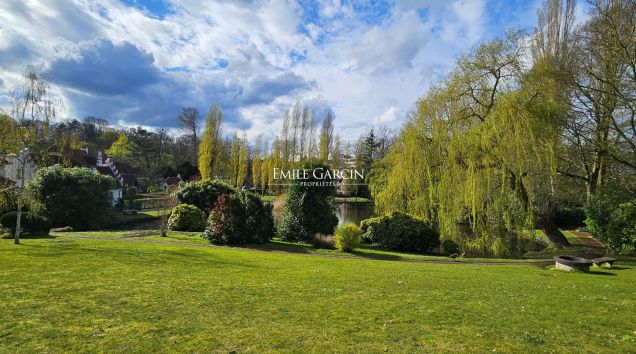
pixel 126 169
pixel 129 180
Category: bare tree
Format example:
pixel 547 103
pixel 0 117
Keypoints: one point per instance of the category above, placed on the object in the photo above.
pixel 188 121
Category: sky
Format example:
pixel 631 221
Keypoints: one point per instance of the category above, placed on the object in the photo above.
pixel 138 62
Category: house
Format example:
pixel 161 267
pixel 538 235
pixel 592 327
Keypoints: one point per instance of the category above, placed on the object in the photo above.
pixel 125 174
pixel 171 181
pixel 11 165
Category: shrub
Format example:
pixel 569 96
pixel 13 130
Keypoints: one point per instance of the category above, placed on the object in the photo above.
pixel 239 218
pixel 322 241
pixel 448 246
pixel 348 237
pixel 76 197
pixel 154 189
pixel 308 207
pixel 8 197
pixel 203 194
pixel 259 221
pixel 32 224
pixel 400 232
pixel 185 217
pixel 620 235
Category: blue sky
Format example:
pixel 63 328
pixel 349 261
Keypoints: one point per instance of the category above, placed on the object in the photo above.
pixel 139 61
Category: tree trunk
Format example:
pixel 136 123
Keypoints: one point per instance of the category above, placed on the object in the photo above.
pixel 552 232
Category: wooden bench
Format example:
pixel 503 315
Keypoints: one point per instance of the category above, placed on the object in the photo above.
pixel 603 260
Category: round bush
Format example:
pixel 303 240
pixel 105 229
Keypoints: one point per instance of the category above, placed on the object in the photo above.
pixel 348 237
pixel 203 193
pixel 239 218
pixel 32 224
pixel 400 232
pixel 185 217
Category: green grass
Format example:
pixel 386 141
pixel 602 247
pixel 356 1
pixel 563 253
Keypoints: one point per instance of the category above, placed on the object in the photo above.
pixel 269 198
pixel 68 294
pixel 366 251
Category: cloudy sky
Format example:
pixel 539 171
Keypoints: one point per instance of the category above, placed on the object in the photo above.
pixel 140 61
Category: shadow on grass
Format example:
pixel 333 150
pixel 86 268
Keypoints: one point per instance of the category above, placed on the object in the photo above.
pixel 30 237
pixel 380 256
pixel 279 247
pixel 595 272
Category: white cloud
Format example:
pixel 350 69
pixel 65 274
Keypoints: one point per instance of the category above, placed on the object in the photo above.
pixel 369 69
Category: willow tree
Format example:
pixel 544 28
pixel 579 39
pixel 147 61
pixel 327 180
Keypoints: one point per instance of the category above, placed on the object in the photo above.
pixel 211 143
pixel 477 153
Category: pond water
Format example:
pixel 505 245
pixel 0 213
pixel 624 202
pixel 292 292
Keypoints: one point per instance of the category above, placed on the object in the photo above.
pixel 354 212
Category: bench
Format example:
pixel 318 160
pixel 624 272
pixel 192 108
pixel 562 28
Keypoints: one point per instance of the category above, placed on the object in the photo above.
pixel 603 260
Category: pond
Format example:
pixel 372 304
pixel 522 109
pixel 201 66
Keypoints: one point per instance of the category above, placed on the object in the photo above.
pixel 354 212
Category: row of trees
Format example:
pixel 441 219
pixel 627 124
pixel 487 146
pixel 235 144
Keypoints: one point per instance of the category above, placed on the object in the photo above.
pixel 509 142
pixel 237 161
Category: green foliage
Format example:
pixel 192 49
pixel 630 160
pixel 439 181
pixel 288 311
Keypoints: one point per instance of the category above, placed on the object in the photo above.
pixel 259 221
pixel 621 229
pixel 185 217
pixel 614 225
pixel 348 237
pixel 449 246
pixel 211 143
pixel 154 189
pixel 400 232
pixel 599 209
pixel 120 148
pixel 9 135
pixel 31 223
pixel 203 194
pixel 8 197
pixel 76 197
pixel 308 207
pixel 239 218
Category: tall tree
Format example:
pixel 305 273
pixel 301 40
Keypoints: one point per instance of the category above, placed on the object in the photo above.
pixel 243 163
pixel 257 162
pixel 211 143
pixel 326 137
pixel 188 120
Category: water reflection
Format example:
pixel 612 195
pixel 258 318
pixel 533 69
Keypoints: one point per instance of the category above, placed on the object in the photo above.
pixel 354 212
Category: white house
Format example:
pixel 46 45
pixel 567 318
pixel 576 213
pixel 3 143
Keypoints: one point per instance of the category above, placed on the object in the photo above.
pixel 11 164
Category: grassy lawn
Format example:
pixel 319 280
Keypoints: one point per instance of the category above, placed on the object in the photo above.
pixel 67 294
pixel 365 251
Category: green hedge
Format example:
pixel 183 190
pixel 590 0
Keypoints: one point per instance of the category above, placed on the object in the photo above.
pixel 400 232
pixel 31 224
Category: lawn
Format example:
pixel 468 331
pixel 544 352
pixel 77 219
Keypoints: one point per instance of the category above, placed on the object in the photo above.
pixel 277 245
pixel 68 294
